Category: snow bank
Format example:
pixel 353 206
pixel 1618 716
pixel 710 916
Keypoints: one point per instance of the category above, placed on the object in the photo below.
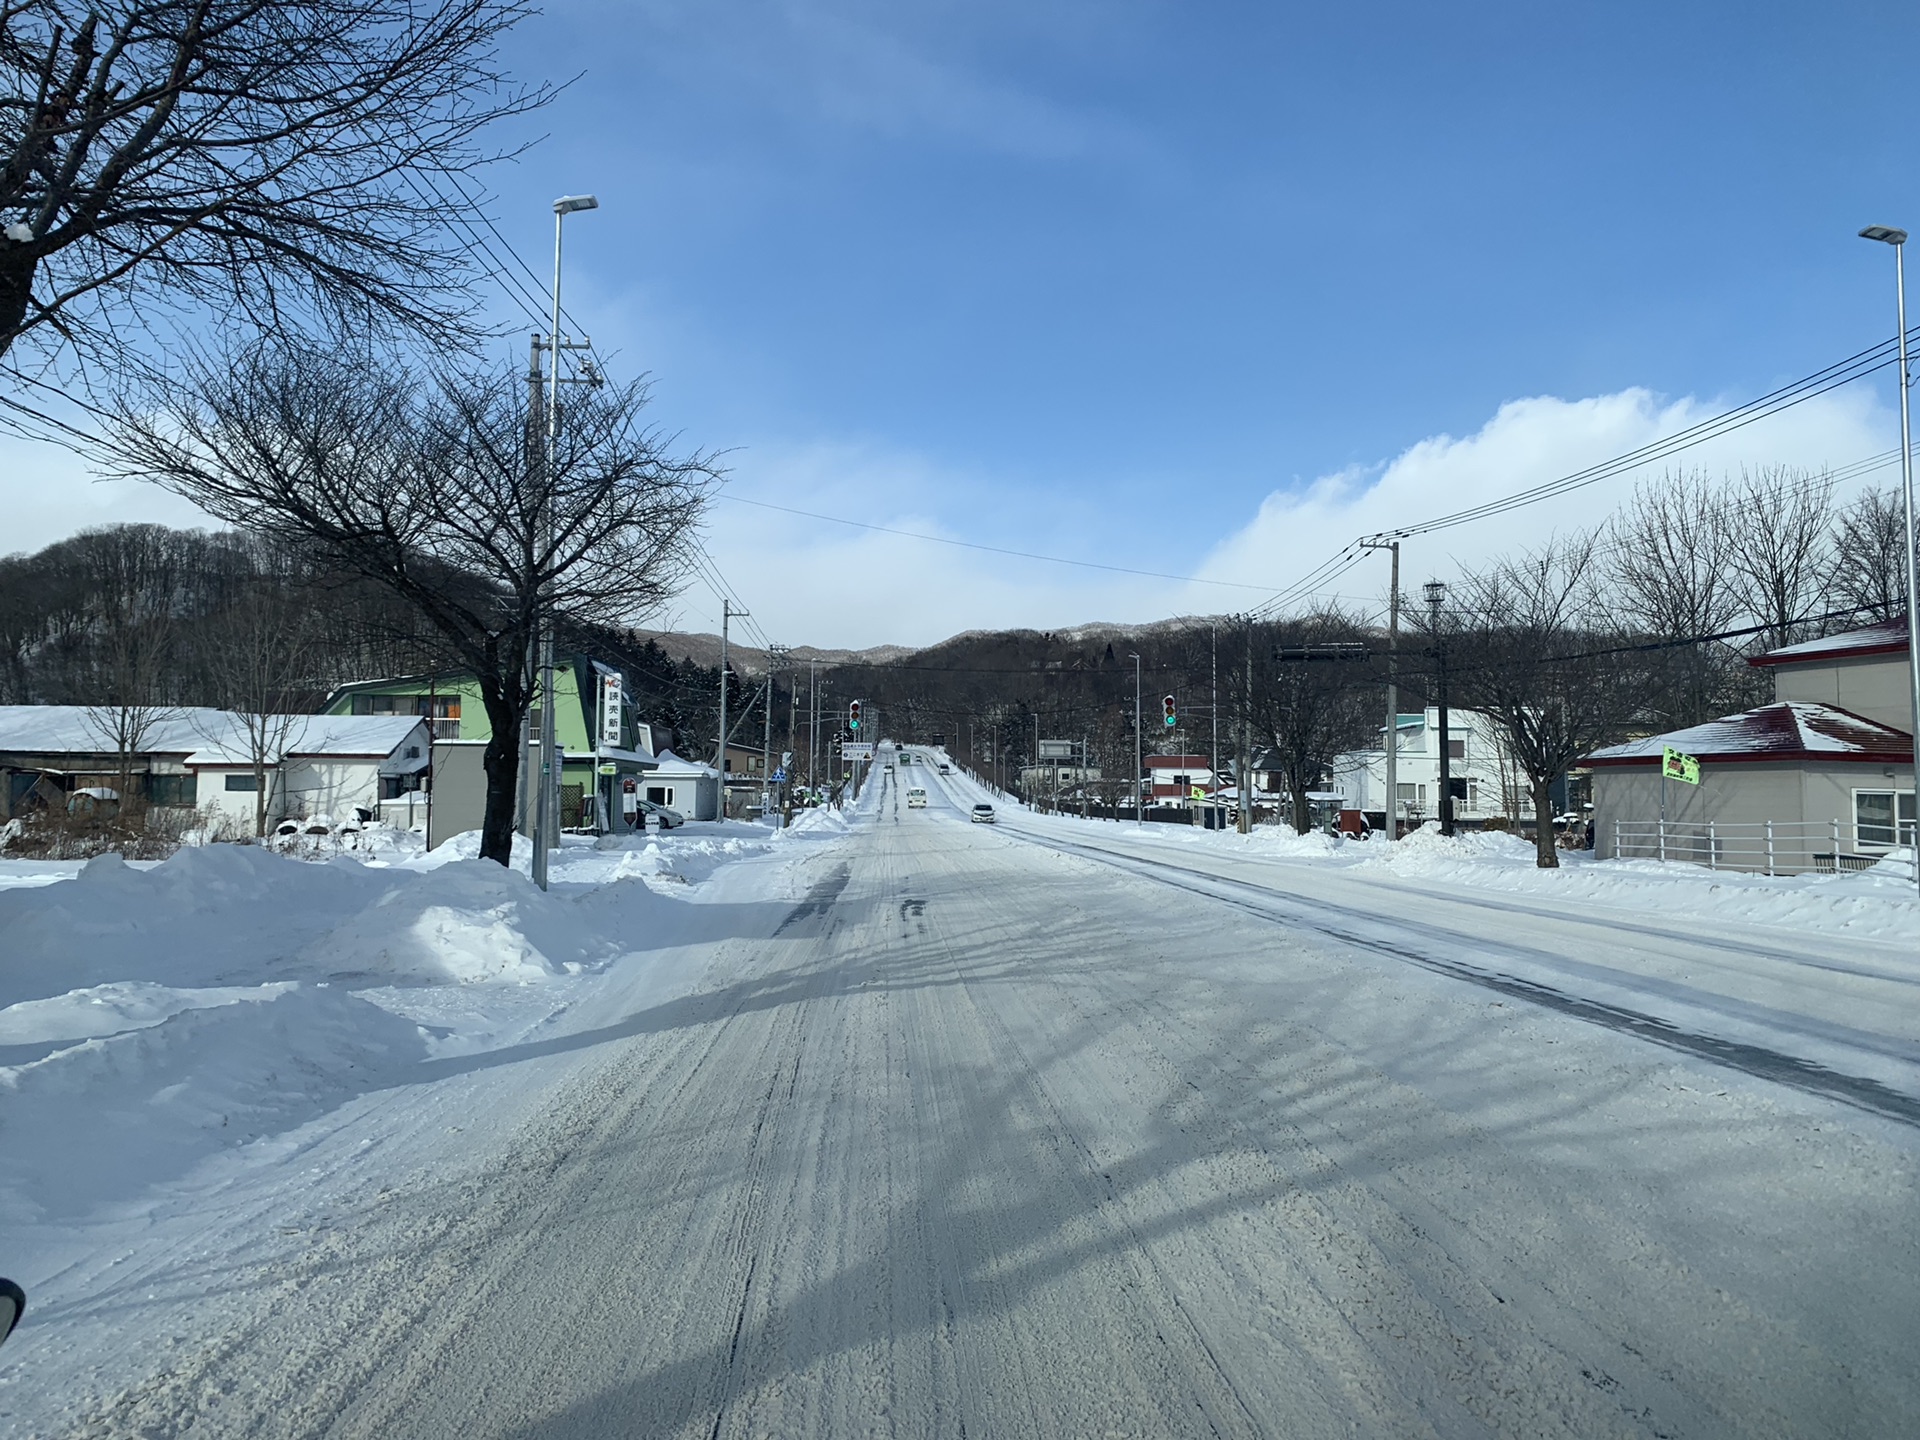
pixel 105 1119
pixel 152 1014
pixel 465 921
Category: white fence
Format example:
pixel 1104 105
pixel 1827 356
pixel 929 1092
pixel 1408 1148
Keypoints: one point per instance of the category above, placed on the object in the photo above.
pixel 1769 847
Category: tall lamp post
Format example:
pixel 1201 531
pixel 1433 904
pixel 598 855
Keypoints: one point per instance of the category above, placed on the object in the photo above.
pixel 1436 592
pixel 546 815
pixel 1887 235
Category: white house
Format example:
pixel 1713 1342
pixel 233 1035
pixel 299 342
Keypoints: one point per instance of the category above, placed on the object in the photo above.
pixel 331 766
pixel 1486 782
pixel 684 785
pixel 1820 779
pixel 193 758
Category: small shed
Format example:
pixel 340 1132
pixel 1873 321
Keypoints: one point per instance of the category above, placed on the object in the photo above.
pixel 684 785
pixel 1785 787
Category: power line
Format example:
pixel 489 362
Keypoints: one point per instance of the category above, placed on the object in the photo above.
pixel 1844 372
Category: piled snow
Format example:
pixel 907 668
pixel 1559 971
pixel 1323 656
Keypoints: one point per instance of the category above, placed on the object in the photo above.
pixel 102 1120
pixel 152 1015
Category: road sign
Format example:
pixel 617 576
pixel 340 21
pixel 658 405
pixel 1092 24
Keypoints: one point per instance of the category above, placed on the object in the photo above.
pixel 1056 749
pixel 780 776
pixel 1675 766
pixel 609 769
pixel 856 750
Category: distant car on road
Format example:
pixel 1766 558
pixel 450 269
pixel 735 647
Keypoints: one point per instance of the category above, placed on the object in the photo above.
pixel 945 769
pixel 983 814
pixel 916 798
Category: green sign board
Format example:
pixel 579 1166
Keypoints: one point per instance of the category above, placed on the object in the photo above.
pixel 1675 766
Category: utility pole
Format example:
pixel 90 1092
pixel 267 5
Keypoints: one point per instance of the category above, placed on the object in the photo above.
pixel 813 722
pixel 727 612
pixel 1436 597
pixel 536 455
pixel 1213 705
pixel 1393 692
pixel 1139 762
pixel 766 743
pixel 1246 742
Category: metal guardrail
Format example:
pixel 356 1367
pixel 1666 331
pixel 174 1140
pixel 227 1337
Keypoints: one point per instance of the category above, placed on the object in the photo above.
pixel 1767 847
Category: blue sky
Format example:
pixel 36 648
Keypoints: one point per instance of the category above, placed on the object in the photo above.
pixel 1113 280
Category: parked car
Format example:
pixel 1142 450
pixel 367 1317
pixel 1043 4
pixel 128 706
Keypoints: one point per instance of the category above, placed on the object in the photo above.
pixel 661 817
pixel 983 814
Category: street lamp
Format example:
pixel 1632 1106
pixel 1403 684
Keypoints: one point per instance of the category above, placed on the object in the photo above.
pixel 1436 592
pixel 546 821
pixel 1887 235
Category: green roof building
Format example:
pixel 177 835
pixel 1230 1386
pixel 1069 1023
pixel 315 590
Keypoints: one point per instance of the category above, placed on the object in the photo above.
pixel 604 745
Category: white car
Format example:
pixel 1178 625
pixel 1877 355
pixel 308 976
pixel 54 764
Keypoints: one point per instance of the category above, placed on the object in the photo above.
pixel 983 814
pixel 661 817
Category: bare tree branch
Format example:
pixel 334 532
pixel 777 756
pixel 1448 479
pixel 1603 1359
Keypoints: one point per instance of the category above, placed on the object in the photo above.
pixel 258 158
pixel 425 487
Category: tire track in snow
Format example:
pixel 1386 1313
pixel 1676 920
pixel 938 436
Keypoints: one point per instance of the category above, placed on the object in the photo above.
pixel 1762 1062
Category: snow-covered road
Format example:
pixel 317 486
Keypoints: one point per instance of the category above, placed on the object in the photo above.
pixel 990 1133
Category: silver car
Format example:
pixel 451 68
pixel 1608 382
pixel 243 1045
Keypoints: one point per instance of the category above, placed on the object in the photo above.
pixel 983 814
pixel 661 817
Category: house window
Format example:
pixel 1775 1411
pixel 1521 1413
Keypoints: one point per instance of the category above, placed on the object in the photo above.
pixel 249 781
pixel 1874 813
pixel 1456 749
pixel 658 794
pixel 398 787
pixel 173 792
pixel 1404 790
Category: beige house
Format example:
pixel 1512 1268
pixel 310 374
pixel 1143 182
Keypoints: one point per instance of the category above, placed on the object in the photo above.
pixel 1822 779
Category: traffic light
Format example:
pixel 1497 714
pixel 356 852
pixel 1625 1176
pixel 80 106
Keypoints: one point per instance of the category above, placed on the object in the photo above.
pixel 1166 710
pixel 853 716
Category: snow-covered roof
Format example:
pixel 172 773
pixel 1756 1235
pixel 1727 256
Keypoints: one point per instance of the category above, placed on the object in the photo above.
pixel 673 764
pixel 1886 638
pixel 1788 730
pixel 202 736
pixel 79 729
pixel 320 737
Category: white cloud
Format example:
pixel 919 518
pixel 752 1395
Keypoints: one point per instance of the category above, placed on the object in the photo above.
pixel 1527 443
pixel 825 584
pixel 810 582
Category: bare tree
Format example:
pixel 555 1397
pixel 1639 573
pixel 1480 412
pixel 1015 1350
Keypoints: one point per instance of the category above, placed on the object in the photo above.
pixel 1869 561
pixel 254 157
pixel 1534 647
pixel 261 656
pixel 1313 699
pixel 1671 560
pixel 1780 520
pixel 426 487
pixel 133 576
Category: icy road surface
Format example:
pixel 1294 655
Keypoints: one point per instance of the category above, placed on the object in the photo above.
pixel 996 1134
